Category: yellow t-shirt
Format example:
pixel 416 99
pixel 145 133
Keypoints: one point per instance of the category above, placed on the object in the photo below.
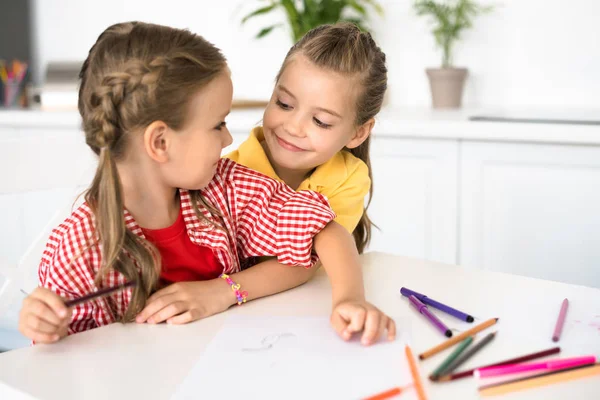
pixel 344 179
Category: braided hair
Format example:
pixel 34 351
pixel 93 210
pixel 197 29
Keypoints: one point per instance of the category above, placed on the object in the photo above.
pixel 136 73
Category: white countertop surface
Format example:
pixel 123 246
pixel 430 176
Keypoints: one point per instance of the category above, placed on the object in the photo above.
pixel 421 123
pixel 150 361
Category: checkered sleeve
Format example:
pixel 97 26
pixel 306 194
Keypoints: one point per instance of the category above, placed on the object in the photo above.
pixel 65 271
pixel 274 220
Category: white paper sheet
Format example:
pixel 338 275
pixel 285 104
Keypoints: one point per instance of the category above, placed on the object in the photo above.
pixel 292 358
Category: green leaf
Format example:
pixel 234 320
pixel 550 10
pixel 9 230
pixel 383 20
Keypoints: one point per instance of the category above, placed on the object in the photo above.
pixel 331 11
pixel 309 6
pixel 359 8
pixel 305 15
pixel 449 20
pixel 309 17
pixel 293 16
pixel 265 31
pixel 260 11
pixel 378 8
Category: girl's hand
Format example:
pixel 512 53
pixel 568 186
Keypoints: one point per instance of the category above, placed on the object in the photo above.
pixel 185 302
pixel 44 318
pixel 352 316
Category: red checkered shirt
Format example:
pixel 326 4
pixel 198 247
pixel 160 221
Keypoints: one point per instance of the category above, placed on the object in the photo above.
pixel 262 217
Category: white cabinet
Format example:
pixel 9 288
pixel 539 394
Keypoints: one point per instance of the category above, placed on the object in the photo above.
pixel 447 190
pixel 414 202
pixel 531 210
pixel 414 199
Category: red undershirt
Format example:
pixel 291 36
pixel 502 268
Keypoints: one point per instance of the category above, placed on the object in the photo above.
pixel 182 260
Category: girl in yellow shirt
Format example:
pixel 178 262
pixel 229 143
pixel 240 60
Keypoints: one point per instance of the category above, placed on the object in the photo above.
pixel 317 125
pixel 315 136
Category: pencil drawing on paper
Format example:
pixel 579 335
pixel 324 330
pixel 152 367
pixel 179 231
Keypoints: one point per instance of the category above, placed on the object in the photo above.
pixel 269 341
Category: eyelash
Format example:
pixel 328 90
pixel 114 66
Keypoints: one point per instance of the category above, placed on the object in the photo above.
pixel 221 126
pixel 283 106
pixel 286 107
pixel 321 124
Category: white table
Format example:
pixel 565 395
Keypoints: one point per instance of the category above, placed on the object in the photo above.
pixel 148 362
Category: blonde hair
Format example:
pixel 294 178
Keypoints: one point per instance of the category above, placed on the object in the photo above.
pixel 344 49
pixel 136 73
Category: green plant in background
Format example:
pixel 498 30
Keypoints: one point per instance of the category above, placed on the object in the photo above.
pixel 304 15
pixel 450 18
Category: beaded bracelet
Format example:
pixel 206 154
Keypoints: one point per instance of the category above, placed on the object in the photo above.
pixel 241 295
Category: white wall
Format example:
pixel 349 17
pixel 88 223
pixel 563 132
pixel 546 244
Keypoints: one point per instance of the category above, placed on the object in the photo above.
pixel 526 53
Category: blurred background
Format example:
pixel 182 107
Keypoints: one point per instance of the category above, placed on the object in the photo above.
pixel 507 178
pixel 524 53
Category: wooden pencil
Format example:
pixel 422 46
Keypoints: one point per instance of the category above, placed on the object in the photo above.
pixel 457 338
pixel 465 356
pixel 457 351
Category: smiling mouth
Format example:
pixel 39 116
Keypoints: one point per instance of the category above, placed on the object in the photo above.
pixel 288 145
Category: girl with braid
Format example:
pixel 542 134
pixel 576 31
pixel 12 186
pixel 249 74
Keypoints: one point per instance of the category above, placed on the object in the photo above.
pixel 166 212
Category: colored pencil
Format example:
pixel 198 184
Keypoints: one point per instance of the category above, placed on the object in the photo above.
pixel 415 373
pixel 457 338
pixel 527 357
pixel 541 380
pixel 99 293
pixel 459 349
pixel 546 365
pixel 464 357
pixel 385 395
pixel 560 322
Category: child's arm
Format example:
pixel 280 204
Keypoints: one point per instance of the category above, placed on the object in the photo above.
pixel 351 312
pixel 338 254
pixel 270 277
pixel 44 318
pixel 185 302
pixel 269 219
pixel 273 220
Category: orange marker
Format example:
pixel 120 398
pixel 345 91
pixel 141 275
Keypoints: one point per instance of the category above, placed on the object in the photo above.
pixel 415 374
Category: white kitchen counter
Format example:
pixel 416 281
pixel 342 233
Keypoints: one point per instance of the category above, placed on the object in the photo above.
pixel 402 123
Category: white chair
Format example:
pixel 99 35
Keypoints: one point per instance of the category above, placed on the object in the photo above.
pixel 44 167
pixel 23 278
pixel 18 281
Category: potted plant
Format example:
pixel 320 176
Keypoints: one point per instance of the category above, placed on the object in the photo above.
pixel 304 15
pixel 450 19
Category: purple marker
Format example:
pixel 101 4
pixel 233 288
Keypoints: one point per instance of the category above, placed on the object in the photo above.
pixel 435 304
pixel 422 308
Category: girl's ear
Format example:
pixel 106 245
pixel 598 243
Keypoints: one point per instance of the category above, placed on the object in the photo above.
pixel 157 141
pixel 361 134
